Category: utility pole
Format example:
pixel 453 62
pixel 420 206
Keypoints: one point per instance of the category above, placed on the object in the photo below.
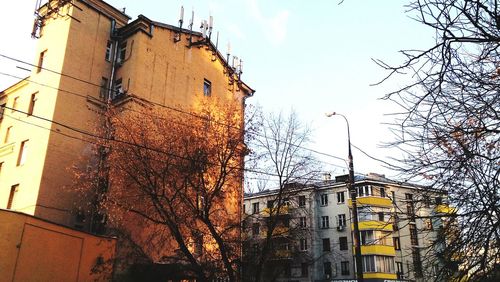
pixel 352 191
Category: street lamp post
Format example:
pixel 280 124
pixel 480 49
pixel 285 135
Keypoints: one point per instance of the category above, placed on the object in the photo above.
pixel 352 191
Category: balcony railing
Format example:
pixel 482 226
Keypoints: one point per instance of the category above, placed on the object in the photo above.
pixel 385 250
pixel 374 225
pixel 283 210
pixel 372 201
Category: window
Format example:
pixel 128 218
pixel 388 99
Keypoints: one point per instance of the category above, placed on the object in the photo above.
pixel 324 199
pixel 367 237
pixel 302 221
pixel 103 91
pixel 7 134
pixel 327 268
pixel 207 88
pixel 399 269
pixel 21 158
pixel 302 201
pixel 439 201
pixel 326 244
pixel 395 224
pixel 304 269
pixel 342 220
pixel 365 190
pixel 413 234
pixel 118 89
pixel 393 194
pixel 270 204
pixel 340 197
pixel 109 49
pixel 325 222
pixel 1 164
pixel 122 52
pixel 255 208
pixel 410 209
pixel 380 216
pixel 40 61
pixel 344 267
pixel 303 244
pixel 255 229
pixel 397 244
pixel 417 262
pixel 343 243
pixel 382 192
pixel 13 190
pixel 14 104
pixel 368 263
pixel 2 109
pixel 32 104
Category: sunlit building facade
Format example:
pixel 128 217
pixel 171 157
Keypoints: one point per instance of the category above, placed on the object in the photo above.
pixel 89 54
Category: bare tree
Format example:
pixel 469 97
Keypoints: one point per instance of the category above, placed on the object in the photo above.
pixel 174 186
pixel 283 163
pixel 449 127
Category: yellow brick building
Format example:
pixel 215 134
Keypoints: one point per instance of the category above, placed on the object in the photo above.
pixel 88 54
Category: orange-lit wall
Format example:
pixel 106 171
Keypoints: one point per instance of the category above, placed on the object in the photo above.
pixel 37 250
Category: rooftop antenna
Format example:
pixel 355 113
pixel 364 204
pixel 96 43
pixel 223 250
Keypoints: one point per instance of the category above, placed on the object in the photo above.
pixel 210 26
pixel 214 53
pixel 177 37
pixel 240 68
pixel 204 28
pixel 235 65
pixel 191 27
pixel 228 52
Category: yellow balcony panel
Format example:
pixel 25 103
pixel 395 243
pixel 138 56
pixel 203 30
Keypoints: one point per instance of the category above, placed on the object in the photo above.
pixel 281 231
pixel 6 149
pixel 372 201
pixel 274 211
pixel 380 275
pixel 374 225
pixel 377 250
pixel 444 209
pixel 282 254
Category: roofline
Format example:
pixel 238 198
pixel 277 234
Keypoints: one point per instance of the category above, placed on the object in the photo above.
pixel 247 89
pixel 14 86
pixel 329 184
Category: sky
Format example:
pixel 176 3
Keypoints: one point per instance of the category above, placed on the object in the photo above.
pixel 310 56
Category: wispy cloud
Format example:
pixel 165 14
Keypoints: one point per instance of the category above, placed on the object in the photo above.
pixel 274 27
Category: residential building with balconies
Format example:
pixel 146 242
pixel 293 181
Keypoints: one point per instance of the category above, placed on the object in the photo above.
pixel 398 228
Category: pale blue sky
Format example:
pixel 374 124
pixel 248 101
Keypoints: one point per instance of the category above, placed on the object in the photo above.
pixel 313 56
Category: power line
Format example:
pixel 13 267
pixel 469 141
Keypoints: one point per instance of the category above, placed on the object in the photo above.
pixel 148 101
pixel 164 106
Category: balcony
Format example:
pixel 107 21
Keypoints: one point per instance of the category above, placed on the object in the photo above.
pixel 281 255
pixel 383 250
pixel 372 201
pixel 284 210
pixel 380 276
pixel 281 231
pixel 444 209
pixel 374 225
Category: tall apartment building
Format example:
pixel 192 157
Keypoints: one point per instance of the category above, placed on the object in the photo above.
pixel 313 239
pixel 89 53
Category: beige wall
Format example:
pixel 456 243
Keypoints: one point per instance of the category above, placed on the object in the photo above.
pixel 37 250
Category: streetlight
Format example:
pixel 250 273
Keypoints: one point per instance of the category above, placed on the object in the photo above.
pixel 352 191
